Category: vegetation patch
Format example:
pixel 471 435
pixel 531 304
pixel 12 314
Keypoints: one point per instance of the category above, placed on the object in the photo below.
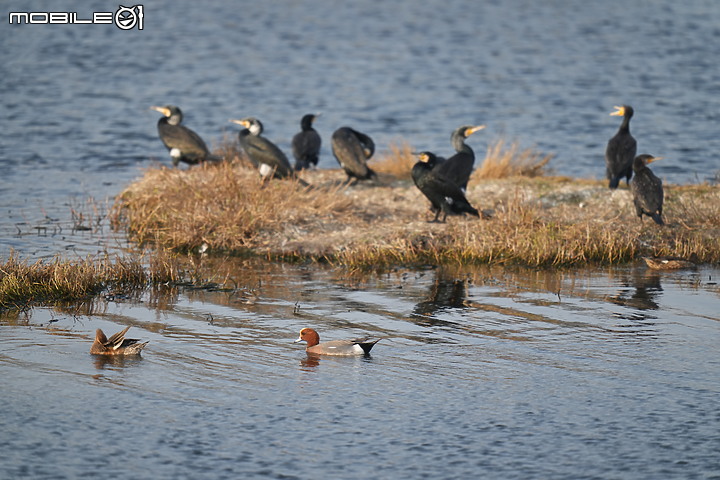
pixel 23 284
pixel 534 220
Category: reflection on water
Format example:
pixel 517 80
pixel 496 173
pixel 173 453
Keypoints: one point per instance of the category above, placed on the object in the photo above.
pixel 640 291
pixel 500 364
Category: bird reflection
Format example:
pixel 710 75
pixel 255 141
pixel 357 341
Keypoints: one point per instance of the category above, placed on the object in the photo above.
pixel 115 362
pixel 647 289
pixel 444 293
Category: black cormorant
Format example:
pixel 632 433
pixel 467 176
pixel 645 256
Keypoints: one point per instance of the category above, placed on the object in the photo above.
pixel 459 167
pixel 306 143
pixel 621 149
pixel 647 189
pixel 444 195
pixel 265 155
pixel 352 150
pixel 184 144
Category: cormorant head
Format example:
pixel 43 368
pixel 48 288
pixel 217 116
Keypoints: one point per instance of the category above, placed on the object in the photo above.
pixel 623 111
pixel 252 124
pixel 466 130
pixel 307 121
pixel 427 157
pixel 642 161
pixel 172 112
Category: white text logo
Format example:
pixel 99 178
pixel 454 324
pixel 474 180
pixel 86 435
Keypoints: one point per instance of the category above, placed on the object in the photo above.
pixel 125 18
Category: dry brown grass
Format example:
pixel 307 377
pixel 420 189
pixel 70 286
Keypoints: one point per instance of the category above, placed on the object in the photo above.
pixel 224 207
pixel 542 221
pixel 398 162
pixel 504 160
pixel 23 283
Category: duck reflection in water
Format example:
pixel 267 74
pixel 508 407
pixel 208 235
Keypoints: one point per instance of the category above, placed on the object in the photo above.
pixel 115 362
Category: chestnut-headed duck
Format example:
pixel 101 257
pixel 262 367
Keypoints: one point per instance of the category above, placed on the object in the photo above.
pixel 334 347
pixel 117 344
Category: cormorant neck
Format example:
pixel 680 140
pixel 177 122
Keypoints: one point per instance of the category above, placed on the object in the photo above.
pixel 625 125
pixel 460 145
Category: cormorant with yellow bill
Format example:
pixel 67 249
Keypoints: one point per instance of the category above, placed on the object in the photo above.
pixel 183 144
pixel 621 149
pixel 459 167
pixel 444 195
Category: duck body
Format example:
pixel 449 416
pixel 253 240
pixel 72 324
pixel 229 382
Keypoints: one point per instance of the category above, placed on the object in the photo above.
pixel 344 348
pixel 117 344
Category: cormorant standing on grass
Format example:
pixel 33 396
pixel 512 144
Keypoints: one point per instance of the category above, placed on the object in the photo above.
pixel 353 149
pixel 184 144
pixel 647 189
pixel 306 143
pixel 444 195
pixel 621 149
pixel 459 167
pixel 265 155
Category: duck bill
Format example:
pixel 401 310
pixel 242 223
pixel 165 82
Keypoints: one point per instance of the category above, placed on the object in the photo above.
pixel 298 340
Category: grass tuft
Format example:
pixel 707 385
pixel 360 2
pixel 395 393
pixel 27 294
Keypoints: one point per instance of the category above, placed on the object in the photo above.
pixel 503 161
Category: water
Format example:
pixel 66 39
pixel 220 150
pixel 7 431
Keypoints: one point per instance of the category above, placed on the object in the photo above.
pixel 75 98
pixel 484 373
pixel 487 373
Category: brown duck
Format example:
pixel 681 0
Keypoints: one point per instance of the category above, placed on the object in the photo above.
pixel 117 344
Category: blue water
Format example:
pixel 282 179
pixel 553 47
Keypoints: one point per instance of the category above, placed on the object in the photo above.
pixel 482 374
pixel 547 74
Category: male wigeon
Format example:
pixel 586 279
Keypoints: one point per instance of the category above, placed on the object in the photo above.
pixel 335 347
pixel 117 344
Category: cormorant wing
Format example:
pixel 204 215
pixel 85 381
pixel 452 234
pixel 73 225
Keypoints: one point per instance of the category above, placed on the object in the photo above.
pixel 182 138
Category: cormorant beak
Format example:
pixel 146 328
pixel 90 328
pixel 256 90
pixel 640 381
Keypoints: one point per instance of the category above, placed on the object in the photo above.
pixel 244 123
pixel 472 130
pixel 654 159
pixel 163 110
pixel 424 157
pixel 619 112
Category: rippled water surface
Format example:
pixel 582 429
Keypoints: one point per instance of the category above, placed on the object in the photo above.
pixel 486 373
pixel 481 373
pixel 75 98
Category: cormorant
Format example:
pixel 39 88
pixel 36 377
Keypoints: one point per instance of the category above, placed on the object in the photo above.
pixel 621 149
pixel 647 189
pixel 184 144
pixel 352 149
pixel 265 155
pixel 459 167
pixel 306 143
pixel 444 195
